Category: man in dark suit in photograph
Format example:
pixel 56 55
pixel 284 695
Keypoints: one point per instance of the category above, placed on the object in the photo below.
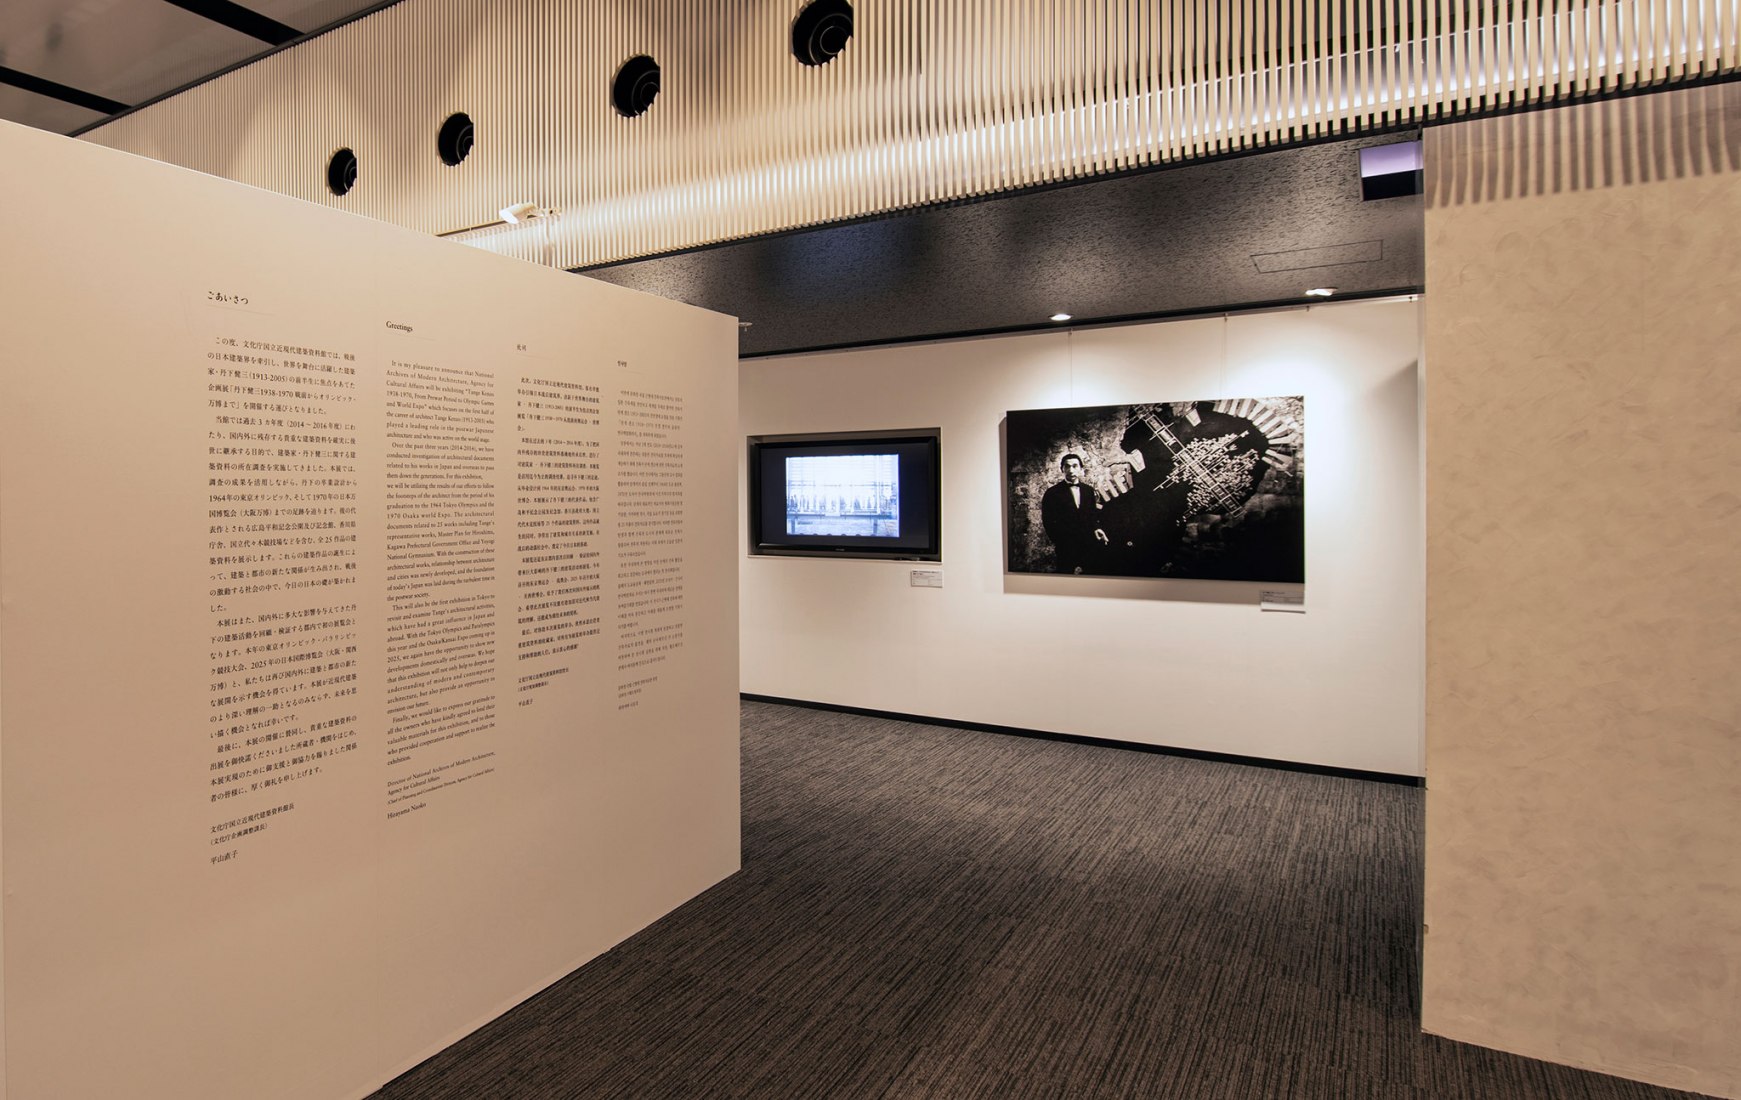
pixel 1069 513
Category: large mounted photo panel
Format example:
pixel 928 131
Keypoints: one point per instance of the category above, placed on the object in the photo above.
pixel 1209 489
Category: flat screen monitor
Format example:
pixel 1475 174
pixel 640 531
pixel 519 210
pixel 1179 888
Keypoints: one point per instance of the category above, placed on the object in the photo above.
pixel 875 495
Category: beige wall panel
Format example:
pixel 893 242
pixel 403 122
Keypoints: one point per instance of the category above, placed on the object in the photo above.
pixel 1583 753
pixel 289 804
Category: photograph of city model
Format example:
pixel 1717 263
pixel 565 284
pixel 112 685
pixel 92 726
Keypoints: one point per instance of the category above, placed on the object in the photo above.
pixel 1211 490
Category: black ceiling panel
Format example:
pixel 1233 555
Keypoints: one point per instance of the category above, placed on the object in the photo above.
pixel 76 96
pixel 238 18
pixel 1238 232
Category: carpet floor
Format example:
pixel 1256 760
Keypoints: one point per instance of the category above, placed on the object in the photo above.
pixel 928 912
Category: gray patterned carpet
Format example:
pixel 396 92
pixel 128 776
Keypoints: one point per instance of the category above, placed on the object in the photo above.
pixel 944 914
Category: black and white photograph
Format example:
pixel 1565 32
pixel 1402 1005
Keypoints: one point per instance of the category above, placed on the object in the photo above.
pixel 1212 490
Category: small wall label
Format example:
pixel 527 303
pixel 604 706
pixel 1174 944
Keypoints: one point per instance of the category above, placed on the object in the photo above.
pixel 1276 600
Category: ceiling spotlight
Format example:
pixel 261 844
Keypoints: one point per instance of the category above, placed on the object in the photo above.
pixel 1320 292
pixel 1060 317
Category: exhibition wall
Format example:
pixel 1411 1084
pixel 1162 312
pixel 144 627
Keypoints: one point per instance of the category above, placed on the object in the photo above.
pixel 1190 664
pixel 367 630
pixel 1583 884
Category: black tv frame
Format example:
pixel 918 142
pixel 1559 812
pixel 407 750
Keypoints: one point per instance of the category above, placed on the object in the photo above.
pixel 921 491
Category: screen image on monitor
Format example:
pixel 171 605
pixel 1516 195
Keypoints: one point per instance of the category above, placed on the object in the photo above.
pixel 867 495
pixel 844 495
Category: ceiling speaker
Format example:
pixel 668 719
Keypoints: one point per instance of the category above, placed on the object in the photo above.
pixel 821 31
pixel 636 86
pixel 454 142
pixel 341 172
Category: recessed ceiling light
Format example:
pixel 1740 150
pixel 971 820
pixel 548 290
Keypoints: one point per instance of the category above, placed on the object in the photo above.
pixel 1320 292
pixel 1060 317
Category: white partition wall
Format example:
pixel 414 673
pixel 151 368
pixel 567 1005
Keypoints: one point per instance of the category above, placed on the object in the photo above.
pixel 1583 881
pixel 1180 663
pixel 367 630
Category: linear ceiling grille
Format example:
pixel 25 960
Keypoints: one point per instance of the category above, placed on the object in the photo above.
pixel 929 100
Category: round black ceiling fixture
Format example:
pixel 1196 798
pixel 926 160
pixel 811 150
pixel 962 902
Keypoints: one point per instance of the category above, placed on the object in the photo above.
pixel 341 172
pixel 454 143
pixel 636 86
pixel 821 31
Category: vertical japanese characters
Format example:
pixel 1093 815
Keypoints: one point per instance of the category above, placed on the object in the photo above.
pixel 557 518
pixel 281 489
pixel 650 537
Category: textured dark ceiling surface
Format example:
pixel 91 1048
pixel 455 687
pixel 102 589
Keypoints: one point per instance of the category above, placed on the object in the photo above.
pixel 65 65
pixel 1240 232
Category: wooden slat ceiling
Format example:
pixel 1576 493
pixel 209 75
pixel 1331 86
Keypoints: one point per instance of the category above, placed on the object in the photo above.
pixel 932 101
